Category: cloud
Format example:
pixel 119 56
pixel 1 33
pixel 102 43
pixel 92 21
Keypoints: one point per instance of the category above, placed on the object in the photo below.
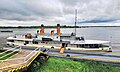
pixel 58 11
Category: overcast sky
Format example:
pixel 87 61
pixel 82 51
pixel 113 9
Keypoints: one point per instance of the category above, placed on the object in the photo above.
pixel 51 12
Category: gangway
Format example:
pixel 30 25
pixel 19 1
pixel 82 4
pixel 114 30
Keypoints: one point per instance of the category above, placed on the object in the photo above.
pixel 21 61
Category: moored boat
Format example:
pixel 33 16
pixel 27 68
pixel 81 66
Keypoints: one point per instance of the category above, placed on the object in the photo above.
pixel 58 41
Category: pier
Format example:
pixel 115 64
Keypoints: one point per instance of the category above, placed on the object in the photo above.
pixel 21 61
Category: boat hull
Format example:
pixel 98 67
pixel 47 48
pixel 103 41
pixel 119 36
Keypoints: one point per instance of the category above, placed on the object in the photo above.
pixel 57 48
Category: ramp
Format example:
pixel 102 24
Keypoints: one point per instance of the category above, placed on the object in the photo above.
pixel 20 61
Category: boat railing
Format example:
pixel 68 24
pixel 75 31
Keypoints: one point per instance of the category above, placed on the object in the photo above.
pixel 50 44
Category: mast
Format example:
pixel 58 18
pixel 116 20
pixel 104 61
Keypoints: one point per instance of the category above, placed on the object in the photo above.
pixel 75 21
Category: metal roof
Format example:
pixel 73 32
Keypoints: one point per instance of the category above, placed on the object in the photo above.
pixel 22 39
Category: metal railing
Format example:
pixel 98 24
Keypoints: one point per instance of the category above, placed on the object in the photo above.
pixel 12 51
pixel 32 53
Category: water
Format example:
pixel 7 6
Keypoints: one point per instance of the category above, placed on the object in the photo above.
pixel 100 33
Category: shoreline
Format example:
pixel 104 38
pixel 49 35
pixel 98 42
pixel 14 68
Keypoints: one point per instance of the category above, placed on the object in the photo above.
pixel 22 27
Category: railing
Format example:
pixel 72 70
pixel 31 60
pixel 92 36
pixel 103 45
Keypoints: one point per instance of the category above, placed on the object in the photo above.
pixel 32 53
pixel 13 50
pixel 25 59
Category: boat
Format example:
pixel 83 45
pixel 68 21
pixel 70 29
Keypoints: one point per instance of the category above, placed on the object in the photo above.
pixel 59 42
pixel 6 31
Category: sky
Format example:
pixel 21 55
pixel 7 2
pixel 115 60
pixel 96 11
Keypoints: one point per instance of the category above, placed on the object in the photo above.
pixel 52 12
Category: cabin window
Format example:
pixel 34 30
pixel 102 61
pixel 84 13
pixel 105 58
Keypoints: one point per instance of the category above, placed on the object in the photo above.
pixel 19 40
pixel 105 45
pixel 10 40
pixel 73 45
pixel 35 42
pixel 42 42
pixel 46 39
pixel 90 45
pixel 26 42
pixel 64 45
pixel 86 46
pixel 77 46
pixel 80 38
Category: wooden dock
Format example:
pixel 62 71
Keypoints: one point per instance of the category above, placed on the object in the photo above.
pixel 20 61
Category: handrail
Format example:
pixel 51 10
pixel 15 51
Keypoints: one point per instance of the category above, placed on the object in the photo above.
pixel 30 53
pixel 18 58
pixel 10 52
pixel 31 57
pixel 10 49
pixel 7 54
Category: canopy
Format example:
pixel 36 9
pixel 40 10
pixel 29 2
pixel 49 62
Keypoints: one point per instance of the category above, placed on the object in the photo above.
pixel 22 39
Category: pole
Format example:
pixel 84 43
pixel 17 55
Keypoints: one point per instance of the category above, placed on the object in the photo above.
pixel 75 20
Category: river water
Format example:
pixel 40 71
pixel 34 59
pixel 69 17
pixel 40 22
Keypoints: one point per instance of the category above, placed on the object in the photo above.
pixel 100 33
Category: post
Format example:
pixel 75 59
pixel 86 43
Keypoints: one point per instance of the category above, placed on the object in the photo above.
pixel 75 21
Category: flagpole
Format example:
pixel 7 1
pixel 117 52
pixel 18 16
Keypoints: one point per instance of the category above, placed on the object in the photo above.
pixel 75 20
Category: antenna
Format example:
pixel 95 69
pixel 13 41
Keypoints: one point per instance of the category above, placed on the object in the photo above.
pixel 75 20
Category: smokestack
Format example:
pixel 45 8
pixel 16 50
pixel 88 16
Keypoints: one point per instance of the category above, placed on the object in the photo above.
pixel 42 29
pixel 58 29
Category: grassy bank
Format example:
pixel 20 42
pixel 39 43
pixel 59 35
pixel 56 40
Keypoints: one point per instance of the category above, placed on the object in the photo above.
pixel 63 65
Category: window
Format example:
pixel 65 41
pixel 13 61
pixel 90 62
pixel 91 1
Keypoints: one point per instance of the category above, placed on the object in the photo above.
pixel 26 42
pixel 35 42
pixel 46 39
pixel 10 40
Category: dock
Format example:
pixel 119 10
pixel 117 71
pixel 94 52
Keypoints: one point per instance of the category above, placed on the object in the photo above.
pixel 27 56
pixel 21 61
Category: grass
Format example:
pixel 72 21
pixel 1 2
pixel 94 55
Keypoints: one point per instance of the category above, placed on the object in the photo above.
pixel 8 56
pixel 64 65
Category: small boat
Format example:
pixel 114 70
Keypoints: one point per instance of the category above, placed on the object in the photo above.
pixel 6 31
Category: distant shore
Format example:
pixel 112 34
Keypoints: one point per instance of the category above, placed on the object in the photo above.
pixel 2 27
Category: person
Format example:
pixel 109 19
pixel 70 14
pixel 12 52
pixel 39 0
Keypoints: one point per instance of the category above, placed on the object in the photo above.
pixel 37 31
pixel 82 38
